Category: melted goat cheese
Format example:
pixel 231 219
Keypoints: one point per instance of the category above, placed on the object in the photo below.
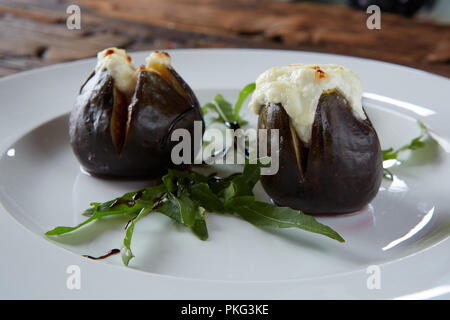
pixel 158 57
pixel 122 69
pixel 120 66
pixel 298 88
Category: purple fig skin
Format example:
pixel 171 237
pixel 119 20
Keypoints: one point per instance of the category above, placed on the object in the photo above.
pixel 115 136
pixel 341 169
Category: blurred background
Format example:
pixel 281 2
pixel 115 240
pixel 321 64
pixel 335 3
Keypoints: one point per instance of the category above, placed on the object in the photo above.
pixel 35 33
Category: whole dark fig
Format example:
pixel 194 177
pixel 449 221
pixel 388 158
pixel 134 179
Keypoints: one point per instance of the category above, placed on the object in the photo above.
pixel 338 171
pixel 123 117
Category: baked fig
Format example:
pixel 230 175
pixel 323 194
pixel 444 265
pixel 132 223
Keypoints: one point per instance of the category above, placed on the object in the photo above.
pixel 123 117
pixel 330 159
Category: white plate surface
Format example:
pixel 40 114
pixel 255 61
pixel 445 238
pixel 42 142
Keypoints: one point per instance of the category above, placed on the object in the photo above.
pixel 404 230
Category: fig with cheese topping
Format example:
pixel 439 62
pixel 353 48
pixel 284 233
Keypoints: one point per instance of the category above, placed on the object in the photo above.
pixel 124 115
pixel 330 158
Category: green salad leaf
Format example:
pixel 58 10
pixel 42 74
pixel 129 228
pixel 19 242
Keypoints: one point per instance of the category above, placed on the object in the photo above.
pixel 242 185
pixel 205 197
pixel 226 113
pixel 417 143
pixel 126 252
pixel 185 196
pixel 248 89
pixel 264 214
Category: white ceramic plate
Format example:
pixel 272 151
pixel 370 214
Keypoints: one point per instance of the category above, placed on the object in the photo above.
pixel 404 231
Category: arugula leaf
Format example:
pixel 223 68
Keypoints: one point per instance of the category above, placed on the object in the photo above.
pixel 239 199
pixel 185 178
pixel 200 230
pixel 417 143
pixel 219 184
pixel 228 114
pixel 242 96
pixel 184 196
pixel 179 184
pixel 176 204
pixel 242 185
pixel 188 210
pixel 224 109
pixel 96 215
pixel 264 214
pixel 128 204
pixel 208 107
pixel 189 194
pixel 170 209
pixel 207 199
pixel 125 251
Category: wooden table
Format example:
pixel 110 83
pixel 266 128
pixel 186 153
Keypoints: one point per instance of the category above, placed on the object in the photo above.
pixel 34 33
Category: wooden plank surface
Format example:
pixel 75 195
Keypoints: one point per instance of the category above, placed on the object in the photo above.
pixel 34 33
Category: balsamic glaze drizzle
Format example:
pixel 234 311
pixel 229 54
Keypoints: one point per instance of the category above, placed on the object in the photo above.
pixel 112 252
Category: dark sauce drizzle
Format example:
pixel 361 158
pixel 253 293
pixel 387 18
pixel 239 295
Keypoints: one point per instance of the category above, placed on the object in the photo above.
pixel 111 253
pixel 129 203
